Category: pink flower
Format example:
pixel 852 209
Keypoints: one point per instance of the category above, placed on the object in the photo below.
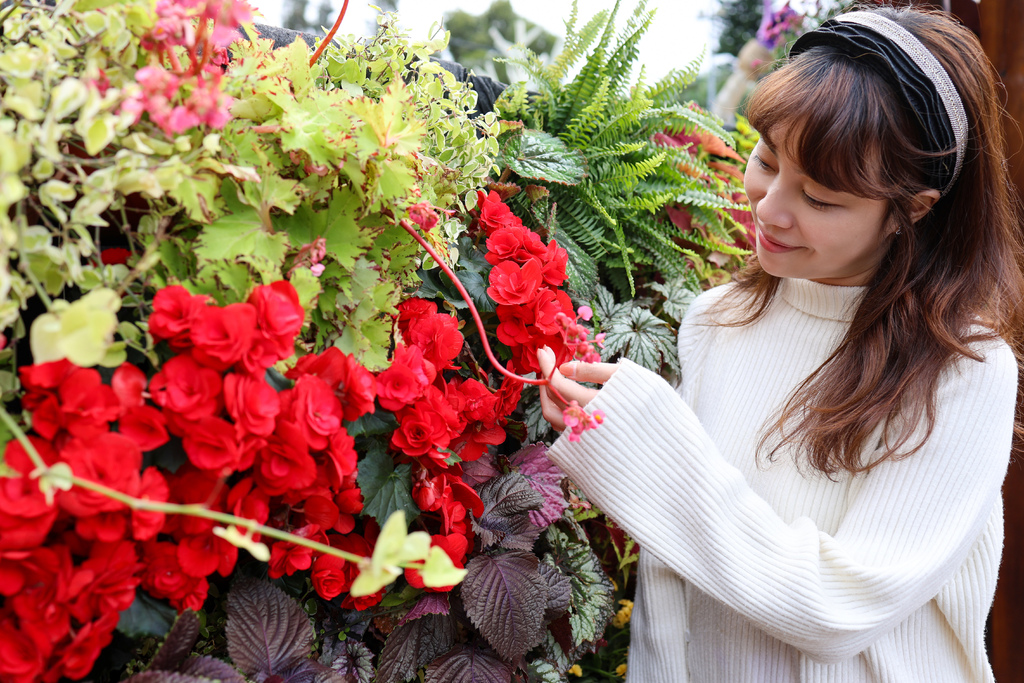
pixel 423 215
pixel 578 420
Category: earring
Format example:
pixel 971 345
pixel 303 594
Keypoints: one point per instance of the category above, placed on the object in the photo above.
pixel 899 231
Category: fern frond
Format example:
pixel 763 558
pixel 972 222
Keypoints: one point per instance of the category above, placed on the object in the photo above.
pixel 667 91
pixel 714 245
pixel 649 203
pixel 579 130
pixel 687 167
pixel 576 44
pixel 624 121
pixel 692 196
pixel 585 227
pixel 629 173
pixel 678 118
pixel 616 150
pixel 581 90
pixel 620 62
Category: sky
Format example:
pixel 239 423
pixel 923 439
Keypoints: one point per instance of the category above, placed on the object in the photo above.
pixel 679 33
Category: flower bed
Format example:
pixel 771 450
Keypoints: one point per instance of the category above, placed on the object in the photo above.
pixel 246 310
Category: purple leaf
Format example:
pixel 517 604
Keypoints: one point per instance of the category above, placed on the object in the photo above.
pixel 479 471
pixel 309 671
pixel 467 664
pixel 214 669
pixel 268 633
pixel 505 597
pixel 178 643
pixel 559 591
pixel 507 501
pixel 412 645
pixel 164 677
pixel 350 658
pixel 545 478
pixel 429 603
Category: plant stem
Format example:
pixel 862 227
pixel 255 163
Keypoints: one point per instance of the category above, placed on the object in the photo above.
pixel 24 267
pixel 195 510
pixel 33 454
pixel 330 35
pixel 480 323
pixel 15 5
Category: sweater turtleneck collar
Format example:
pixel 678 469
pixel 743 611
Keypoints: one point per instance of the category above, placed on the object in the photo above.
pixel 830 302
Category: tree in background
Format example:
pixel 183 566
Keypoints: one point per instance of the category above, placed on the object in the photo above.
pixel 477 39
pixel 294 14
pixel 738 21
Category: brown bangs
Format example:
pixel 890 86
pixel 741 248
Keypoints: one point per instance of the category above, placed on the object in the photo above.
pixel 868 150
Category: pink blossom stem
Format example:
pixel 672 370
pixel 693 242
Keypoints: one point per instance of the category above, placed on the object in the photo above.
pixel 175 64
pixel 330 35
pixel 476 318
pixel 199 62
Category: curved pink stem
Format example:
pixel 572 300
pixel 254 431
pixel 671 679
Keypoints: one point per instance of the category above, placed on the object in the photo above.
pixel 330 35
pixel 480 323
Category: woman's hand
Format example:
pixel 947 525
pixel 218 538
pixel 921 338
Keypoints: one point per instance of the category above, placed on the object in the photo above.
pixel 569 389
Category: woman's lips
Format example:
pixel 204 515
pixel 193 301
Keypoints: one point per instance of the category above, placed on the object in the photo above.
pixel 772 246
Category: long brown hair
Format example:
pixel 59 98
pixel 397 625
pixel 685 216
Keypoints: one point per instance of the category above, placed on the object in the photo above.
pixel 947 281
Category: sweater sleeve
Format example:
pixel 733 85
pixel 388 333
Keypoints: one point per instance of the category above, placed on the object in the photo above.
pixel 910 523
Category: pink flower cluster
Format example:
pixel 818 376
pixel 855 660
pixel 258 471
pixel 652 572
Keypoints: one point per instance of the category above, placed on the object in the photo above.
pixel 182 98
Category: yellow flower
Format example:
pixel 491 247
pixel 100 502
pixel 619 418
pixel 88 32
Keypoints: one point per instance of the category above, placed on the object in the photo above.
pixel 622 616
pixel 620 670
pixel 575 670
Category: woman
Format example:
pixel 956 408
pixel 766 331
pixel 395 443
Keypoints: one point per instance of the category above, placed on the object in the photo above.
pixel 819 498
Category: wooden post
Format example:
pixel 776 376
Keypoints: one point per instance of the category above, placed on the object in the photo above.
pixel 1002 22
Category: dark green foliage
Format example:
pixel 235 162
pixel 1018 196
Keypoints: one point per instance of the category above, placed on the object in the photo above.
pixel 738 21
pixel 611 222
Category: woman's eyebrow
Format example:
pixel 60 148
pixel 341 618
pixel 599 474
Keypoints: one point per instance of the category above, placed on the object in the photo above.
pixel 796 167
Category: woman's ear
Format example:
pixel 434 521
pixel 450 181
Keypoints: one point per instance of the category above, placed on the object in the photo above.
pixel 922 203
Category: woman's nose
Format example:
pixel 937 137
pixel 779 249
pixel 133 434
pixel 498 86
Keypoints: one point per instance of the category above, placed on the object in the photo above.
pixel 773 208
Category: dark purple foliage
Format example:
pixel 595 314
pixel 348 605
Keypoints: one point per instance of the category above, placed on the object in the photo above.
pixel 505 597
pixel 545 478
pixel 414 644
pixel 508 499
pixel 467 664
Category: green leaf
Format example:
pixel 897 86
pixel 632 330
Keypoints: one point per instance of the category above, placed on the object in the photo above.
pixel 643 338
pixel 678 294
pixel 241 238
pixel 372 424
pixel 200 195
pixel 346 240
pixel 307 286
pixel 581 269
pixel 541 156
pixel 476 285
pixel 439 570
pixel 385 488
pixel 146 617
pixel 394 549
pixel 543 671
pixel 592 602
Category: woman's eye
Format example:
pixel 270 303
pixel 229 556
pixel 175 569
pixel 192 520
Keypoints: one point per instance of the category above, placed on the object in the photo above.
pixel 761 163
pixel 816 203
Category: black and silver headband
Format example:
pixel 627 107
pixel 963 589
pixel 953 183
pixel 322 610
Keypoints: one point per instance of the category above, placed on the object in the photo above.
pixel 925 84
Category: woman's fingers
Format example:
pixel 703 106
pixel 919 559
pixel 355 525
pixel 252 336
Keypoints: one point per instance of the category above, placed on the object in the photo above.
pixel 551 410
pixel 562 388
pixel 588 372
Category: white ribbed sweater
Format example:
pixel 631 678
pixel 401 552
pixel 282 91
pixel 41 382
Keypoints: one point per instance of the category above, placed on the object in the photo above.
pixel 769 572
